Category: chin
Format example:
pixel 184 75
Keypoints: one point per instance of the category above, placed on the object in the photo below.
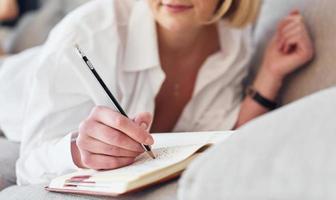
pixel 175 25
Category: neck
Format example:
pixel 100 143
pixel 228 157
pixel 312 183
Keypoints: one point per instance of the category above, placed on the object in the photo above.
pixel 183 43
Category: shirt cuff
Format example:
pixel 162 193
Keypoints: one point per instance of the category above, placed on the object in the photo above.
pixel 63 156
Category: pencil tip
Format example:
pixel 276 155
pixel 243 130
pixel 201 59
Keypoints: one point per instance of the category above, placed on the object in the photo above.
pixel 151 154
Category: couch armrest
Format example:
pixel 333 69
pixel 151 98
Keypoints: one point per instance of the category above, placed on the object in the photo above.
pixel 320 73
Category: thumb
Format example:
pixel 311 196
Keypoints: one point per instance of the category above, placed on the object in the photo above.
pixel 295 12
pixel 144 120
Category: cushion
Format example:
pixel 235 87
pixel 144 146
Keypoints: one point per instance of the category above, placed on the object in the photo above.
pixel 43 21
pixel 319 16
pixel 37 192
pixel 287 154
pixel 8 156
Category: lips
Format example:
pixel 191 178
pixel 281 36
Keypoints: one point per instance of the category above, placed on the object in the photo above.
pixel 176 8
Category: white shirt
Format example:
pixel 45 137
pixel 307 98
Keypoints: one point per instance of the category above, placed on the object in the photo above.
pixel 119 37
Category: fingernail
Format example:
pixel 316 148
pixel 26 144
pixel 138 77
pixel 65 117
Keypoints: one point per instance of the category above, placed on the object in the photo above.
pixel 149 140
pixel 143 125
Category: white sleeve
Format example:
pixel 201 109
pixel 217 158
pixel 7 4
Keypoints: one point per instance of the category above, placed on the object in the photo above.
pixel 58 102
pixel 64 91
pixel 15 76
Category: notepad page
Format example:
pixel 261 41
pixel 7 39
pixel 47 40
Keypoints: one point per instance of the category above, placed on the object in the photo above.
pixel 189 138
pixel 169 149
pixel 144 164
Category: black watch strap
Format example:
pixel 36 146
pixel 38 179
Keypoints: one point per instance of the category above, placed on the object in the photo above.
pixel 256 96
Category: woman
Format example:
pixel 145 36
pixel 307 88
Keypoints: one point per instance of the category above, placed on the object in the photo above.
pixel 182 61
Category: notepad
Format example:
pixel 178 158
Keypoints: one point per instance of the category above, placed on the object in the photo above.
pixel 173 151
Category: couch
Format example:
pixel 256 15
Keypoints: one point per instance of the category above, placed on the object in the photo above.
pixel 316 76
pixel 287 154
pixel 43 20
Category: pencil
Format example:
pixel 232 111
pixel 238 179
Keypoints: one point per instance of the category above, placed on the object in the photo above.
pixel 147 148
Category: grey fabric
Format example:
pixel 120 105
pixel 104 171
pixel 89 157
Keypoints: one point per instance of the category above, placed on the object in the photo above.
pixel 319 16
pixel 38 25
pixel 9 153
pixel 288 154
pixel 69 5
pixel 36 192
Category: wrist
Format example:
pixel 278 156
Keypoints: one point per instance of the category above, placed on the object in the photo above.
pixel 260 99
pixel 75 153
pixel 267 84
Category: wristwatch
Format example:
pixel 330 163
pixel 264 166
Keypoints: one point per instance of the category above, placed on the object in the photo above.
pixel 257 97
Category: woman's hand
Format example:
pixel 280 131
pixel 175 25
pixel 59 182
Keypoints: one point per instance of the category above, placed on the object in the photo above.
pixel 108 140
pixel 289 49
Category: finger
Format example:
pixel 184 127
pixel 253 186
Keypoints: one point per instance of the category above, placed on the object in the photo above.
pixel 288 48
pixel 299 33
pixel 294 41
pixel 282 43
pixel 288 20
pixel 109 135
pixel 123 124
pixel 97 147
pixel 282 24
pixel 304 46
pixel 280 31
pixel 293 25
pixel 278 40
pixel 291 43
pixel 291 33
pixel 143 120
pixel 295 12
pixel 302 33
pixel 103 162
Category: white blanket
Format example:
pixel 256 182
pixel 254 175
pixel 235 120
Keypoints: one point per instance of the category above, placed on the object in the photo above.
pixel 288 154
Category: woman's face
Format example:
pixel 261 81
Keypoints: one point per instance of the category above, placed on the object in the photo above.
pixel 179 15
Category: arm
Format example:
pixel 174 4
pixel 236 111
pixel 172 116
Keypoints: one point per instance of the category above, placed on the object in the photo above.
pixel 61 104
pixel 62 101
pixel 290 48
pixel 52 113
pixel 56 111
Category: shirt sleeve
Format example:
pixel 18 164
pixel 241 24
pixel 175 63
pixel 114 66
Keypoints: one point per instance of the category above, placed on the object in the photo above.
pixel 228 91
pixel 57 103
pixel 240 77
pixel 63 91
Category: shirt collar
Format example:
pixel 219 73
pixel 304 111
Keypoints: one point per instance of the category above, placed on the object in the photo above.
pixel 141 51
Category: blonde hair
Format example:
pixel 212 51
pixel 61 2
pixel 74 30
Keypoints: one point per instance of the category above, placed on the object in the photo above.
pixel 238 13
